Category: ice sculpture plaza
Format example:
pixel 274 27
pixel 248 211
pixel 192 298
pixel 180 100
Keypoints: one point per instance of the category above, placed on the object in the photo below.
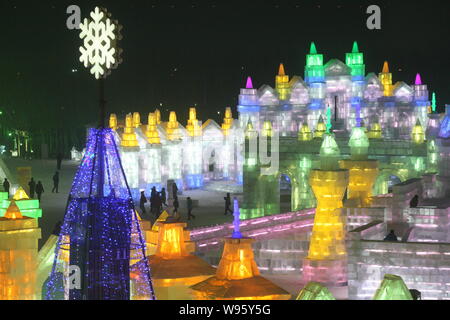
pixel 362 154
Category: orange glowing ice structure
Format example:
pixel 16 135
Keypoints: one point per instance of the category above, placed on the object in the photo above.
pixel 227 122
pixel 326 262
pixel 193 125
pixel 174 269
pixel 18 255
pixel 113 121
pixel 363 172
pixel 238 277
pixel 152 131
pixel 172 127
pixel 129 138
pixel 386 80
pixel 282 83
pixel 305 134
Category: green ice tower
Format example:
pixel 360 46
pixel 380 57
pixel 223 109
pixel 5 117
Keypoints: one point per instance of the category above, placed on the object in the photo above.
pixel 314 70
pixel 355 60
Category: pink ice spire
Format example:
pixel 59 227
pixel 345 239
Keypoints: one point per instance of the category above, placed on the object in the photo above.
pixel 249 84
pixel 418 80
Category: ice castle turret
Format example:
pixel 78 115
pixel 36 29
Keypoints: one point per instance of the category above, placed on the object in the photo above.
pixel 282 83
pixel 355 60
pixel 386 80
pixel 363 172
pixel 193 152
pixel 326 262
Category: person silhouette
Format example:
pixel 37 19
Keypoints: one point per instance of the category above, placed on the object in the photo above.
pixel 32 185
pixel 39 190
pixel 142 202
pixel 163 196
pixel 391 237
pixel 228 204
pixel 6 185
pixel 55 182
pixel 190 206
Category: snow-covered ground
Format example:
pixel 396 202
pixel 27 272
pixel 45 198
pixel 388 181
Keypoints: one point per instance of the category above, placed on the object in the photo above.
pixel 209 212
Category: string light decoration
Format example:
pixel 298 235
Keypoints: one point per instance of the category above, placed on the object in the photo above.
pixel 100 230
pixel 100 35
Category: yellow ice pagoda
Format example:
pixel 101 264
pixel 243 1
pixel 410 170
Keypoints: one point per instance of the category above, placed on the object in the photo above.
pixel 237 276
pixel 173 268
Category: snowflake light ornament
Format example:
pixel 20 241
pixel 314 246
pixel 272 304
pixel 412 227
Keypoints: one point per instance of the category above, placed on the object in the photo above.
pixel 100 35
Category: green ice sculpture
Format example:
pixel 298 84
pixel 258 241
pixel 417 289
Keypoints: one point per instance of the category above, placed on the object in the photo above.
pixel 315 291
pixel 392 288
pixel 359 144
pixel 329 154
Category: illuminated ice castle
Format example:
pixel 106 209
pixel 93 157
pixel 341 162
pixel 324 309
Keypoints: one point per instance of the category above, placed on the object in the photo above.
pixel 333 95
pixel 190 155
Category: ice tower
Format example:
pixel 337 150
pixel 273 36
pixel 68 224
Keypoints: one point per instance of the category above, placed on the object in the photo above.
pixel 326 262
pixel 193 152
pixel 363 171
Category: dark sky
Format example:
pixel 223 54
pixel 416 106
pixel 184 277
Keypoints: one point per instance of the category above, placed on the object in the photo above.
pixel 213 45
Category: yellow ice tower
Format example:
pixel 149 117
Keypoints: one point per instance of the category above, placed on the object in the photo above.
pixel 129 136
pixel 320 129
pixel 417 134
pixel 174 268
pixel 113 121
pixel 136 120
pixel 18 255
pixel 227 121
pixel 375 131
pixel 152 131
pixel 172 127
pixel 282 83
pixel 267 129
pixel 305 134
pixel 193 125
pixel 158 116
pixel 386 80
pixel 327 258
pixel 363 172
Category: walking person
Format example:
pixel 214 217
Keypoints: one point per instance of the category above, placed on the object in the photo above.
pixel 175 190
pixel 32 185
pixel 39 190
pixel 175 213
pixel 228 204
pixel 142 203
pixel 55 182
pixel 6 185
pixel 190 206
pixel 163 196
pixel 59 158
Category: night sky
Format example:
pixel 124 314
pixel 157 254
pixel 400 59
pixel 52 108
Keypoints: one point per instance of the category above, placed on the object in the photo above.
pixel 186 53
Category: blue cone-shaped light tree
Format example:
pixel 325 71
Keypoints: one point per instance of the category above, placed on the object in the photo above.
pixel 100 254
pixel 100 250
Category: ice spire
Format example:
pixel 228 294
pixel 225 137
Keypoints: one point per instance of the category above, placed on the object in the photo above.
pixel 418 81
pixel 249 84
pixel 237 221
pixel 355 47
pixel 312 49
pixel 433 102
pixel 329 125
pixel 281 70
pixel 385 67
